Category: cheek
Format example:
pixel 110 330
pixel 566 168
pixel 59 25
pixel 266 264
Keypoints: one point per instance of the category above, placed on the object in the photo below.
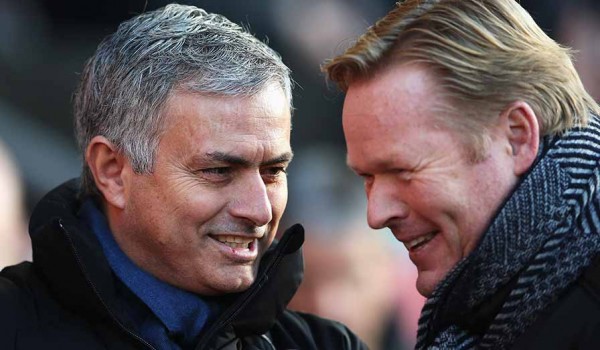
pixel 431 197
pixel 200 203
pixel 146 206
pixel 446 205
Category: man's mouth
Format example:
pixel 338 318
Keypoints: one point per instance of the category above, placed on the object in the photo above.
pixel 420 241
pixel 235 242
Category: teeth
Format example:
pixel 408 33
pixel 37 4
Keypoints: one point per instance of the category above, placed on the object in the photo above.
pixel 235 241
pixel 236 245
pixel 419 240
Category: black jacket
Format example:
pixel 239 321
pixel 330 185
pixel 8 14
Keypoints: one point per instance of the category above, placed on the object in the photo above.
pixel 572 322
pixel 67 299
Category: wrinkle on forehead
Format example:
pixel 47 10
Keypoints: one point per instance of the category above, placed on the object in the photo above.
pixel 251 116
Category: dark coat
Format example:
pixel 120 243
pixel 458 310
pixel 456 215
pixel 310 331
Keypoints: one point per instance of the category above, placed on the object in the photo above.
pixel 67 299
pixel 572 322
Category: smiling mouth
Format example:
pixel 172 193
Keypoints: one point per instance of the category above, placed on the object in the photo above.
pixel 235 242
pixel 420 241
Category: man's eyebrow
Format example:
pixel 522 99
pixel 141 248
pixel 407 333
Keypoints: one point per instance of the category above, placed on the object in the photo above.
pixel 236 160
pixel 283 158
pixel 373 164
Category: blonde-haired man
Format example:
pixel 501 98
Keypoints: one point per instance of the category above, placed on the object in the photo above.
pixel 479 149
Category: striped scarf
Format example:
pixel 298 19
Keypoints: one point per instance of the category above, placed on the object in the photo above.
pixel 539 243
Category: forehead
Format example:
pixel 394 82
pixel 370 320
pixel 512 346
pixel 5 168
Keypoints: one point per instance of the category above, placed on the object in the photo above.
pixel 397 88
pixel 199 122
pixel 269 103
pixel 397 98
pixel 397 111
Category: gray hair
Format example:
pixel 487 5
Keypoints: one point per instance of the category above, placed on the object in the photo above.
pixel 125 84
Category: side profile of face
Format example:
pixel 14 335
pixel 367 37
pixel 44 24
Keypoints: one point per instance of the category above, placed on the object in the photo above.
pixel 420 180
pixel 211 207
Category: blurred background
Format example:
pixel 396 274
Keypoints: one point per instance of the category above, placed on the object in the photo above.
pixel 353 274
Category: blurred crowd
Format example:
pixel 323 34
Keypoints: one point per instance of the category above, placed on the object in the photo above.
pixel 14 241
pixel 358 276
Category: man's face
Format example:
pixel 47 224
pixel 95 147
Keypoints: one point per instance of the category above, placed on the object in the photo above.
pixel 208 212
pixel 420 180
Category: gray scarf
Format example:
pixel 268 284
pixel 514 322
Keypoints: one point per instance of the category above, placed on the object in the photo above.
pixel 540 242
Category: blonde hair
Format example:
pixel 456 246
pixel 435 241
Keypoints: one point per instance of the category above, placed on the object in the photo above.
pixel 485 55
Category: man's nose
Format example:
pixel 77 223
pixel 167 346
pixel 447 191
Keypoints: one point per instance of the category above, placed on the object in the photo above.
pixel 385 203
pixel 252 201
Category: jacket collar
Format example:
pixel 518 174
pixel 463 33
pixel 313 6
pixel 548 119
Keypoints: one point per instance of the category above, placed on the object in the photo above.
pixel 69 257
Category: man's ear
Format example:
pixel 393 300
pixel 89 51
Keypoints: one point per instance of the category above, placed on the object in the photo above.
pixel 523 133
pixel 107 165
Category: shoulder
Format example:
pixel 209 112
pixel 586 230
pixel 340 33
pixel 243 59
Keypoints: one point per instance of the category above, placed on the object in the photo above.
pixel 25 298
pixel 19 286
pixel 313 332
pixel 32 319
pixel 16 300
pixel 590 280
pixel 15 283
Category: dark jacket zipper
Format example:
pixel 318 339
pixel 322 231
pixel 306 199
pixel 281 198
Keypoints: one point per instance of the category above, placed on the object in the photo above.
pixel 233 310
pixel 89 281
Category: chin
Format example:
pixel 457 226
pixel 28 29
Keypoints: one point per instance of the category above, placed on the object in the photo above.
pixel 235 282
pixel 426 292
pixel 224 281
pixel 425 287
pixel 239 285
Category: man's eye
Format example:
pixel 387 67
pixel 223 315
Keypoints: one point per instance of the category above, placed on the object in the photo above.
pixel 368 180
pixel 404 175
pixel 274 171
pixel 215 171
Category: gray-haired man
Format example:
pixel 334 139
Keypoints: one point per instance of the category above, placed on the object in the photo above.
pixel 184 122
